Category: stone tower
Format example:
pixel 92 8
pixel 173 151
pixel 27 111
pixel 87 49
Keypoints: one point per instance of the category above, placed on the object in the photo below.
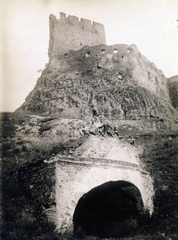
pixel 70 33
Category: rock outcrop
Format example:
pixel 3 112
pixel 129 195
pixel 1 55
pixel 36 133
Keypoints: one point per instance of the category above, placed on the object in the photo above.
pixel 104 84
pixel 173 90
pixel 99 83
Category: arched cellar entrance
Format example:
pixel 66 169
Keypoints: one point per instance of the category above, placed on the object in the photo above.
pixel 74 178
pixel 112 209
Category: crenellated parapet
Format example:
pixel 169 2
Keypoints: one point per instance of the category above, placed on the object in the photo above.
pixel 70 33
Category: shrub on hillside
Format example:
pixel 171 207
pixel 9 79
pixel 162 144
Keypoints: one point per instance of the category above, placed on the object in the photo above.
pixel 44 128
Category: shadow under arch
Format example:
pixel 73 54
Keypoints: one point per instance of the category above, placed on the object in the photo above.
pixel 112 209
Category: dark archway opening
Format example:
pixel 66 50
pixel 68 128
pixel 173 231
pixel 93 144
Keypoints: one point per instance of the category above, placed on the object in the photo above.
pixel 112 209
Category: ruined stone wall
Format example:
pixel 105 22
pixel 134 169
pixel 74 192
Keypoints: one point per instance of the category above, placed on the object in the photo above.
pixel 38 182
pixel 120 63
pixel 68 33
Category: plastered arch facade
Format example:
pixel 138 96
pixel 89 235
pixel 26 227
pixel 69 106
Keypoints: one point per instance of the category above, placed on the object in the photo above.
pixel 75 176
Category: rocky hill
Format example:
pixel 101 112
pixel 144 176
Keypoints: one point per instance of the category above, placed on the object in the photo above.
pixel 103 84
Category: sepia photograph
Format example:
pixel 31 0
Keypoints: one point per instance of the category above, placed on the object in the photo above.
pixel 89 120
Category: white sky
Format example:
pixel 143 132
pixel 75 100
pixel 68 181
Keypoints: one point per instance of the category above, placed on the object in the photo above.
pixel 150 24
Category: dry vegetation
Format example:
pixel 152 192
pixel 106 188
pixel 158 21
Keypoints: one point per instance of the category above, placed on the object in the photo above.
pixel 26 141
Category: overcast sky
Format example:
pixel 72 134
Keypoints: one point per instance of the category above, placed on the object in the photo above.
pixel 150 24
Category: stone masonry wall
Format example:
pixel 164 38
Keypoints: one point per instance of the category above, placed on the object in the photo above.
pixel 38 182
pixel 68 33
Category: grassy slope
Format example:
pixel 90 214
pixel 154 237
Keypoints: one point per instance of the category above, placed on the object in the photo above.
pixel 24 221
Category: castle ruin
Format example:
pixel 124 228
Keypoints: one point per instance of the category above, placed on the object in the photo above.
pixel 110 100
pixel 70 33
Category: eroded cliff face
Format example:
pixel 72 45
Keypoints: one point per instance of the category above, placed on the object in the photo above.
pixel 102 84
